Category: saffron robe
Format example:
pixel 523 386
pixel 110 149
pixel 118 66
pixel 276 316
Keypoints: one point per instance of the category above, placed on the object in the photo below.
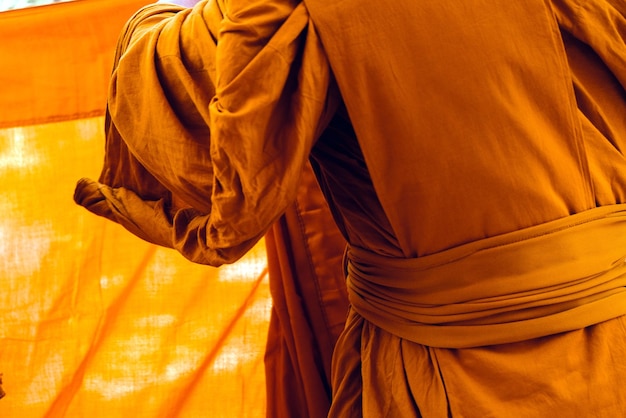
pixel 471 155
pixel 304 246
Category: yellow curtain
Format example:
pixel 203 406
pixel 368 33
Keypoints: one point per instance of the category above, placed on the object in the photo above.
pixel 94 321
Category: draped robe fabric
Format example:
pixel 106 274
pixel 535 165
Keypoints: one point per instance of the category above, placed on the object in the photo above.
pixel 309 305
pixel 471 154
pixel 97 322
pixel 304 247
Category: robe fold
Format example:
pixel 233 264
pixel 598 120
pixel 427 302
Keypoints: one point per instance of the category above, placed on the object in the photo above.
pixel 309 305
pixel 304 247
pixel 470 154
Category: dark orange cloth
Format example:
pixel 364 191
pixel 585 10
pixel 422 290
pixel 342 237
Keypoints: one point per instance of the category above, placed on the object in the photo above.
pixel 464 125
pixel 309 305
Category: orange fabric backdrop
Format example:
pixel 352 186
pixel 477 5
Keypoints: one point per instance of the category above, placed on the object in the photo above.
pixel 94 321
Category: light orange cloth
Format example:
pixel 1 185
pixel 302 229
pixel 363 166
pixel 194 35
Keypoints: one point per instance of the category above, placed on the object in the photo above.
pixel 40 87
pixel 464 124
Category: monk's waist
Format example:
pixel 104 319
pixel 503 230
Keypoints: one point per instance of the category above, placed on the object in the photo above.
pixel 522 280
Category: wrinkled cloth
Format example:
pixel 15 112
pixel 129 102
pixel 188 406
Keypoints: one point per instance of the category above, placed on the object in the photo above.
pixel 228 192
pixel 573 374
pixel 432 128
pixel 309 305
pixel 304 247
pixel 559 276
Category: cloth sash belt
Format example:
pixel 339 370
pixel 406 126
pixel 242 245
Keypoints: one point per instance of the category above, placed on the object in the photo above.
pixel 555 277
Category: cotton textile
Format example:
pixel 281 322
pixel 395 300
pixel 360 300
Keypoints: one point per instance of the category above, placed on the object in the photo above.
pixel 152 171
pixel 95 322
pixel 436 131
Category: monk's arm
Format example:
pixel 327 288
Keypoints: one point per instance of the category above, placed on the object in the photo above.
pixel 223 113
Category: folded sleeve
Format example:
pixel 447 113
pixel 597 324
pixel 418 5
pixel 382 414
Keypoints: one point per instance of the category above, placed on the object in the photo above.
pixel 211 115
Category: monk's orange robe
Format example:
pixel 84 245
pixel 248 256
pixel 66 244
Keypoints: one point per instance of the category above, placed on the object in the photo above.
pixel 304 247
pixel 471 154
